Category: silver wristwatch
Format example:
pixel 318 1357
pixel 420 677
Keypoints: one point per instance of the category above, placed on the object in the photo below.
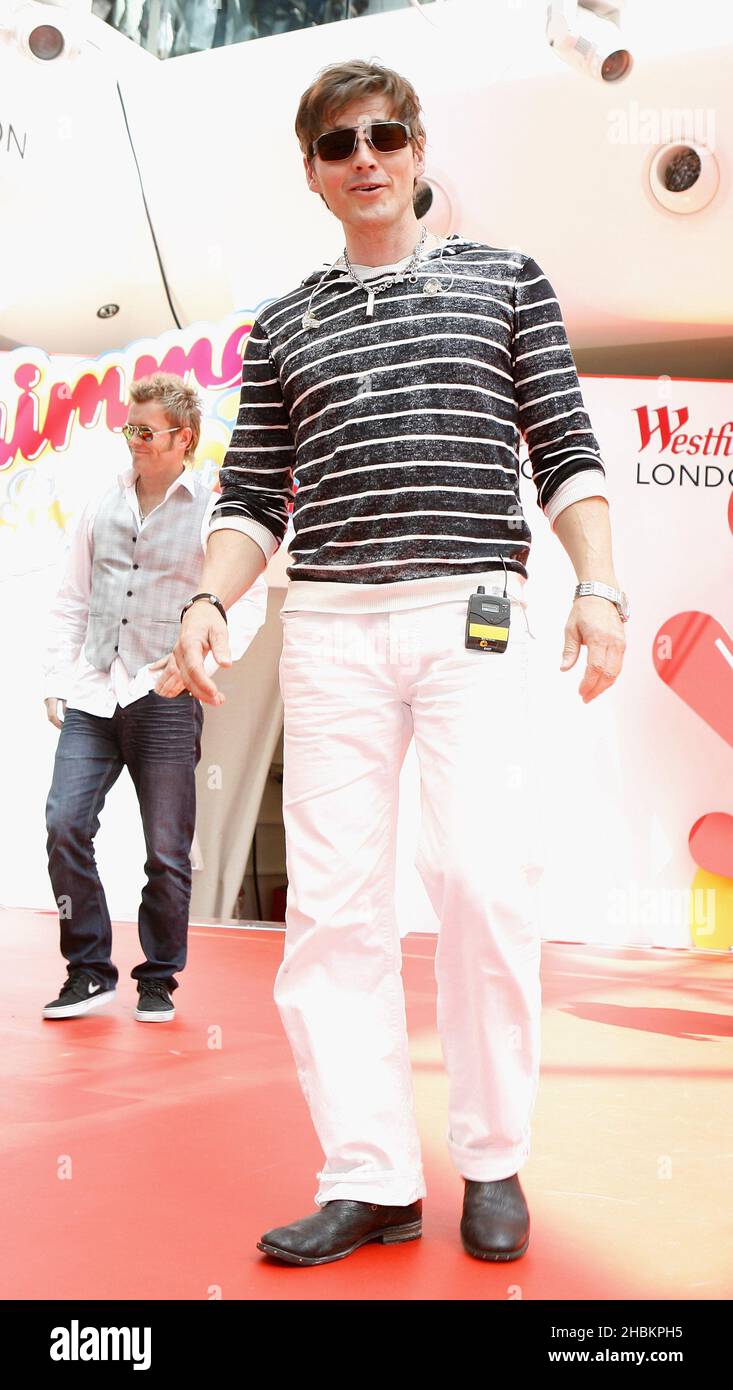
pixel 617 596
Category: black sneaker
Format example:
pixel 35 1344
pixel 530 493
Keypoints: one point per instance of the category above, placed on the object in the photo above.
pixel 155 1002
pixel 79 994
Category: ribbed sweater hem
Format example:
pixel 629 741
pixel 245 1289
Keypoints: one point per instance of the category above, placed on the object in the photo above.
pixel 329 597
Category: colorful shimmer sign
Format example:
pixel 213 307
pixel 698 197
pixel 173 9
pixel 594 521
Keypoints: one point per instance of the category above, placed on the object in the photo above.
pixel 61 420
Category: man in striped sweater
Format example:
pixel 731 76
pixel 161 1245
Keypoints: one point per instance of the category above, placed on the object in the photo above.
pixel 392 387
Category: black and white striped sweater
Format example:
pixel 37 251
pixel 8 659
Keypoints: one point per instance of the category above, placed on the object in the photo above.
pixel 398 435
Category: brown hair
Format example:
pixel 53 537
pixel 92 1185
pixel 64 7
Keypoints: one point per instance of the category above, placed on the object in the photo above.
pixel 181 403
pixel 341 83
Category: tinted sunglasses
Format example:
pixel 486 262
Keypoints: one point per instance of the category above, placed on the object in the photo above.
pixel 384 136
pixel 144 432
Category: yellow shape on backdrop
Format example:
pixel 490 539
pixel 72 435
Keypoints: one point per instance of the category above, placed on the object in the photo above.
pixel 711 911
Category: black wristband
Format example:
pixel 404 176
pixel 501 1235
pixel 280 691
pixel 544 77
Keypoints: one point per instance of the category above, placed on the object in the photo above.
pixel 211 599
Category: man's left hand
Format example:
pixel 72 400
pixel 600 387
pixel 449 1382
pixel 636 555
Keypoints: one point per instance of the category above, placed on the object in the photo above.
pixel 170 683
pixel 595 623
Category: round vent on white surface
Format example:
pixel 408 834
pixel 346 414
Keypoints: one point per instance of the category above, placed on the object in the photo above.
pixel 684 177
pixel 434 205
pixel 46 42
pixel 44 32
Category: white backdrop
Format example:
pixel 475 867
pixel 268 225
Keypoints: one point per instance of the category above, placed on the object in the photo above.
pixel 624 779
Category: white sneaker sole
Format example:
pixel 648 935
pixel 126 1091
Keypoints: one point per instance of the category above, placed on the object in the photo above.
pixel 82 1006
pixel 155 1018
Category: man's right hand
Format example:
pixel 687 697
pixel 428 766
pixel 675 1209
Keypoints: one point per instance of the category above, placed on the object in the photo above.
pixel 51 703
pixel 203 630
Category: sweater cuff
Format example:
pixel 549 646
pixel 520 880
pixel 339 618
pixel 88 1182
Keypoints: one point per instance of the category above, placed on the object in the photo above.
pixel 266 541
pixel 589 483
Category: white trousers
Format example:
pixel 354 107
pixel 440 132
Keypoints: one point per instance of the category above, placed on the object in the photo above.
pixel 356 688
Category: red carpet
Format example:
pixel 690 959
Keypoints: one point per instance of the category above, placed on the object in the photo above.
pixel 181 1153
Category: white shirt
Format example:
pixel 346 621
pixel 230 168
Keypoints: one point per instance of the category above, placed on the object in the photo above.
pixel 66 672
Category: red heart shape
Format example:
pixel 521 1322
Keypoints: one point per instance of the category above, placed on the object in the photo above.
pixel 693 655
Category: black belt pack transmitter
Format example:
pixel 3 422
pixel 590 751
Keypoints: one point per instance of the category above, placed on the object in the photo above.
pixel 487 621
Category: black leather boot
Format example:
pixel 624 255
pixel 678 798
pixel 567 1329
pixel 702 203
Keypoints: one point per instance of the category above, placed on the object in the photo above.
pixel 495 1221
pixel 339 1228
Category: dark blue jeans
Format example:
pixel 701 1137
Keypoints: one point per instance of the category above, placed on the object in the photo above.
pixel 159 741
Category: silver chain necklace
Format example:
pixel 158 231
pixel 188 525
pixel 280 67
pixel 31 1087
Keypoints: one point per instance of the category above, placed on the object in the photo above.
pixel 143 514
pixel 408 273
pixel 431 286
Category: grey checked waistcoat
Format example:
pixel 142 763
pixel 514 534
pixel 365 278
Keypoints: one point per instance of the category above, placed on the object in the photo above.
pixel 142 578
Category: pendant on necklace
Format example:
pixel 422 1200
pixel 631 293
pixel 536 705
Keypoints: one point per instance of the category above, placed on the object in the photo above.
pixel 370 304
pixel 309 320
pixel 431 286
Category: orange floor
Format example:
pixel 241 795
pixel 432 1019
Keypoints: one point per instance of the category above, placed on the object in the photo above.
pixel 181 1154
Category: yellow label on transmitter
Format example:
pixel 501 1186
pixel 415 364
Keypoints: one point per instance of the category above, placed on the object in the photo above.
pixel 486 630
